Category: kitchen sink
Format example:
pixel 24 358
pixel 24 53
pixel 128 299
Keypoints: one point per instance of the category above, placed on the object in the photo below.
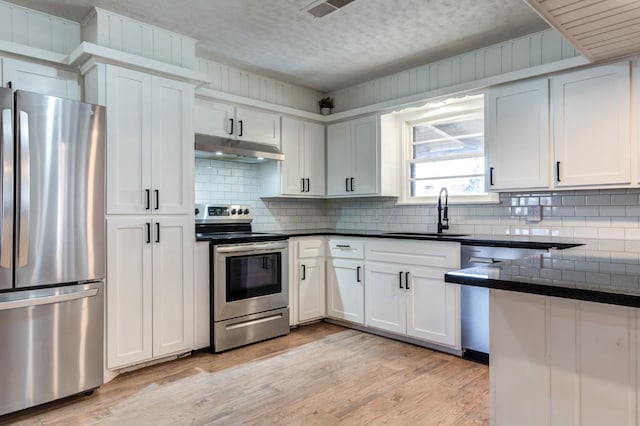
pixel 428 234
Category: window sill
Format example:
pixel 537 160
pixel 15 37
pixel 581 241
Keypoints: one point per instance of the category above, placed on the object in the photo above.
pixel 453 199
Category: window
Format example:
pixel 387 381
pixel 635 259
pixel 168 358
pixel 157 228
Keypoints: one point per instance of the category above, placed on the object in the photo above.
pixel 444 147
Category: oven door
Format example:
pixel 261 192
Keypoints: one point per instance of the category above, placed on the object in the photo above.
pixel 249 278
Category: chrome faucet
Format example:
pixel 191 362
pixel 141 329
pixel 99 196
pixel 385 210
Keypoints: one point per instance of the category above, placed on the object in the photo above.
pixel 443 212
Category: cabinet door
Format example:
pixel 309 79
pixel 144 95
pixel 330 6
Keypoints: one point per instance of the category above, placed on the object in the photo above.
pixel 214 118
pixel 201 295
pixel 172 285
pixel 39 78
pixel 311 289
pixel 128 141
pixel 364 155
pixel 591 126
pixel 314 159
pixel 129 291
pixel 338 158
pixel 433 307
pixel 292 168
pixel 385 294
pixel 517 136
pixel 345 299
pixel 172 146
pixel 257 126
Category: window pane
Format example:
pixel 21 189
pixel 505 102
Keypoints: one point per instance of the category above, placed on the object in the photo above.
pixel 474 145
pixel 461 166
pixel 456 186
pixel 459 128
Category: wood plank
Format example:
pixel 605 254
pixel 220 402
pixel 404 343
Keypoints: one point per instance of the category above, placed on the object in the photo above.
pixel 317 375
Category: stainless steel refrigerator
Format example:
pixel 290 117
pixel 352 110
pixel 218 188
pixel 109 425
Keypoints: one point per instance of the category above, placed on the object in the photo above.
pixel 52 248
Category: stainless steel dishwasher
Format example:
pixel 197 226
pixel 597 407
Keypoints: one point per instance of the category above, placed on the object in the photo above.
pixel 474 301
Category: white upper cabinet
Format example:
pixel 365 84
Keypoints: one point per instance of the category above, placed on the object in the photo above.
pixel 228 121
pixel 301 174
pixel 39 78
pixel 213 118
pixel 257 126
pixel 591 126
pixel 149 144
pixel 353 163
pixel 517 136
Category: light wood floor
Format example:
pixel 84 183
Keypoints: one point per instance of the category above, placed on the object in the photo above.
pixel 320 374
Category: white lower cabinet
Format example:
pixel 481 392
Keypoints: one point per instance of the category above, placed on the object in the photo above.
pixel 345 290
pixel 307 285
pixel 149 288
pixel 412 300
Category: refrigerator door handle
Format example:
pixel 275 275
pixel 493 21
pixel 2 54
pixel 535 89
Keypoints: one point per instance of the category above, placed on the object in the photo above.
pixel 6 211
pixel 47 300
pixel 25 190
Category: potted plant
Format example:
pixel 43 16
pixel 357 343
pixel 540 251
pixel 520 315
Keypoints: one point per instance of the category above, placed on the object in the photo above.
pixel 326 105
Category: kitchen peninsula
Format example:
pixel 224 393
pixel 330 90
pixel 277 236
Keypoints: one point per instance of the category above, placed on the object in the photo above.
pixel 564 337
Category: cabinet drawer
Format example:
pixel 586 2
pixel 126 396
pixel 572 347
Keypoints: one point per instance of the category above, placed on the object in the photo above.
pixel 348 249
pixel 309 247
pixel 418 253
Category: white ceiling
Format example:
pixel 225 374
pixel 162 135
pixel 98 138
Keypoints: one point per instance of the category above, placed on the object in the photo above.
pixel 364 40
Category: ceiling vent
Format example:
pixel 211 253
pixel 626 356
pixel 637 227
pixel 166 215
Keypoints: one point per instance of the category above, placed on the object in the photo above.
pixel 600 29
pixel 322 8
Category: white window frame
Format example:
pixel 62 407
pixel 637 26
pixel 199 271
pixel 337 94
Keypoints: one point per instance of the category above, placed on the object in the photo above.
pixel 432 111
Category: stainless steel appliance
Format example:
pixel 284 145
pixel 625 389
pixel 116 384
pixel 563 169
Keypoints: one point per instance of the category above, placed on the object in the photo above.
pixel 249 277
pixel 217 148
pixel 474 301
pixel 51 248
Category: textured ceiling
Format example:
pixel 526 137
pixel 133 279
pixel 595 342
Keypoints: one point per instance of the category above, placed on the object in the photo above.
pixel 364 40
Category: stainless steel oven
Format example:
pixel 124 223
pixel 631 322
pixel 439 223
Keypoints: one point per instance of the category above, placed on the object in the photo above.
pixel 249 278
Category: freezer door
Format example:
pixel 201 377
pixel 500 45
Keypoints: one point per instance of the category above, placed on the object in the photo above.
pixel 51 344
pixel 6 188
pixel 59 232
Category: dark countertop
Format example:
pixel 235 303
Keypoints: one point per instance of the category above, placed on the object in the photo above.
pixel 515 241
pixel 606 277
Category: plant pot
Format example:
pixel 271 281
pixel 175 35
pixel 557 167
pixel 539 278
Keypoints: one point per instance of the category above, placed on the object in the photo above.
pixel 325 111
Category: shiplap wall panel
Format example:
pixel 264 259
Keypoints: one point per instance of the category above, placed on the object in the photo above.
pixel 36 29
pixel 518 54
pixel 253 86
pixel 129 35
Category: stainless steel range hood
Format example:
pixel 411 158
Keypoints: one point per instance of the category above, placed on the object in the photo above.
pixel 217 148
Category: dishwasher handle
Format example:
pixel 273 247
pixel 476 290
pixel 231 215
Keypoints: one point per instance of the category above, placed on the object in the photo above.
pixel 483 260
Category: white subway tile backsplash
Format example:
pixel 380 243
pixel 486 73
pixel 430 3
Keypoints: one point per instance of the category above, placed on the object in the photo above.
pixel 598 200
pixel 589 215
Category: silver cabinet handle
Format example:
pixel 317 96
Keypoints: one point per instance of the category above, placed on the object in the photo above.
pixel 343 246
pixel 47 300
pixel 25 190
pixel 6 211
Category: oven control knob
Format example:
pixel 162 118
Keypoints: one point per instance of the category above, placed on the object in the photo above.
pixel 239 211
pixel 246 211
pixel 233 211
pixel 197 211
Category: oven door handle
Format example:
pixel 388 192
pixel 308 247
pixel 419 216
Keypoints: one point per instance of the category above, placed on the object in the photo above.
pixel 250 248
